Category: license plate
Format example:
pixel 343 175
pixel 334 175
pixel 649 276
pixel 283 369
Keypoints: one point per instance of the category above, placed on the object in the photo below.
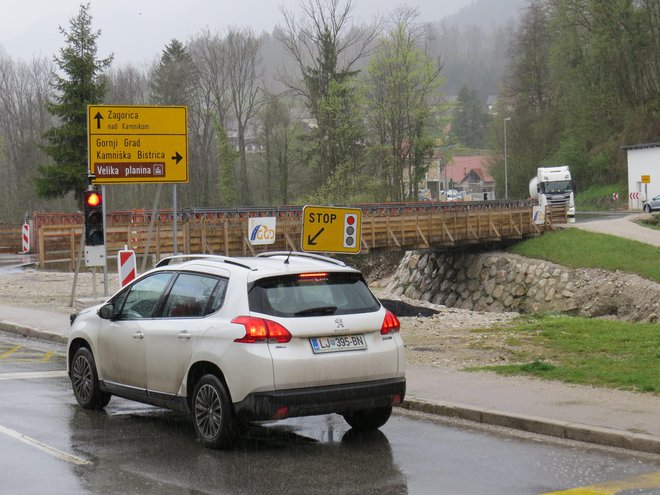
pixel 339 343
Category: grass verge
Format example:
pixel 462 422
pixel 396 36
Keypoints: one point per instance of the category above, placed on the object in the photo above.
pixel 606 353
pixel 652 222
pixel 576 248
pixel 599 198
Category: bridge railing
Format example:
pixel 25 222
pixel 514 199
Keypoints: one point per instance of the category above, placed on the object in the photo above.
pixel 10 239
pixel 382 230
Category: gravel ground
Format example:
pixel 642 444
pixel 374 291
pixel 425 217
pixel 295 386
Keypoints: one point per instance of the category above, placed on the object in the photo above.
pixel 452 338
pixel 50 290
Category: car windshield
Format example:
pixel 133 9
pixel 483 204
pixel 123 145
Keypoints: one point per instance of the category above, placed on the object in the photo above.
pixel 315 294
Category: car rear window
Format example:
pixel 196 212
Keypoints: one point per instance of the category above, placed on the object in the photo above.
pixel 312 294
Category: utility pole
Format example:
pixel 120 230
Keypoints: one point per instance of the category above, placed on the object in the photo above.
pixel 506 163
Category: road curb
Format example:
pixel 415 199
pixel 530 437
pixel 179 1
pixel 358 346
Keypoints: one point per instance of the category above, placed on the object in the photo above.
pixel 534 424
pixel 34 333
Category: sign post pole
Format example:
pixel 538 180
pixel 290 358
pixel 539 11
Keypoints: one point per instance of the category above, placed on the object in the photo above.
pixel 174 225
pixel 105 244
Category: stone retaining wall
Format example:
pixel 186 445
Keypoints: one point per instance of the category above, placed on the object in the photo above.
pixel 506 282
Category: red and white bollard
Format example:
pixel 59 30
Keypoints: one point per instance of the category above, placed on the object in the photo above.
pixel 26 238
pixel 127 266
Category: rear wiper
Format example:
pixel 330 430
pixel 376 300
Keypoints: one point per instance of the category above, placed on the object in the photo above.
pixel 320 310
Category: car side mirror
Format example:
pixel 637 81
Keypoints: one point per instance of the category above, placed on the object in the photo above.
pixel 107 311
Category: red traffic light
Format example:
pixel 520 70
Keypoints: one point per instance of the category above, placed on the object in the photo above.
pixel 94 230
pixel 92 199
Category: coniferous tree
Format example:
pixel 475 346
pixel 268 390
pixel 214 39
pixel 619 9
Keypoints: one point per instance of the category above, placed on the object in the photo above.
pixel 82 84
pixel 173 79
pixel 470 121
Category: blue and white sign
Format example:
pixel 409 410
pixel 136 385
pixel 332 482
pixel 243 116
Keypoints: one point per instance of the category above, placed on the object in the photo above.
pixel 261 230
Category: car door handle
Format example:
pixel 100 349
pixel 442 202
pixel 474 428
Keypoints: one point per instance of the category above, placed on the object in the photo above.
pixel 138 335
pixel 184 335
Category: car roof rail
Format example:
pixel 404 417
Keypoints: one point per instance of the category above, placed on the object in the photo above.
pixel 216 257
pixel 300 254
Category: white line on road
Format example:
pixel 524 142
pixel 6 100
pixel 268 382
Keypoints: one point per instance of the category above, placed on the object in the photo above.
pixel 32 375
pixel 70 458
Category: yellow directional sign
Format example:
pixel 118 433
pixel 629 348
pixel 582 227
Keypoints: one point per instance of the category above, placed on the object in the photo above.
pixel 646 179
pixel 133 143
pixel 331 229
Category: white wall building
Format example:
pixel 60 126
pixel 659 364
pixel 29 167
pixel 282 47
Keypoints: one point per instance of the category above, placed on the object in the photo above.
pixel 643 160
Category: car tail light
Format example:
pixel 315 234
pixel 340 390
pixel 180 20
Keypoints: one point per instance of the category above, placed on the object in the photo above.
pixel 390 323
pixel 261 330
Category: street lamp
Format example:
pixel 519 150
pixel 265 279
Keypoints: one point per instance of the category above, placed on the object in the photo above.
pixel 506 163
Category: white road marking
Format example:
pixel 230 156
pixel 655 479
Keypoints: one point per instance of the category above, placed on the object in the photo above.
pixel 70 458
pixel 32 375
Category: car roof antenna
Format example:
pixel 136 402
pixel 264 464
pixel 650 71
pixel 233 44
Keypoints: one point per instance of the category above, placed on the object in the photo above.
pixel 286 261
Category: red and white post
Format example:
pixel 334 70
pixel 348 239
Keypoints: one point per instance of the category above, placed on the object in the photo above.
pixel 127 266
pixel 26 238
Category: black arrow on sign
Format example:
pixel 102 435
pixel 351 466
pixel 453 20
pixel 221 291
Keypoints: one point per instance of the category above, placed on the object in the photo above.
pixel 312 240
pixel 98 118
pixel 177 157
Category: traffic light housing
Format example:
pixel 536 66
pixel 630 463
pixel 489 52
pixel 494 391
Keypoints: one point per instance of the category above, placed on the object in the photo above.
pixel 93 211
pixel 350 229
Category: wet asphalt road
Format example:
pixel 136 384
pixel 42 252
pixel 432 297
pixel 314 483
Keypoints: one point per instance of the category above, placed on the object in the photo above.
pixel 49 445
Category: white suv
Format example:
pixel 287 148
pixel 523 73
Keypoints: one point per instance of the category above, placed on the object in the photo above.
pixel 233 340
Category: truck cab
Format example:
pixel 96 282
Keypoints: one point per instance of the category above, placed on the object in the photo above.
pixel 553 186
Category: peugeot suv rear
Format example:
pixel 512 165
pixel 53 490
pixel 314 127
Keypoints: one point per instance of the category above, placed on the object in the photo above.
pixel 234 340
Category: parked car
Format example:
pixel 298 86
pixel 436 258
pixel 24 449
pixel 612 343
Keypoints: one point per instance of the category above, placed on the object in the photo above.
pixel 652 204
pixel 454 195
pixel 234 340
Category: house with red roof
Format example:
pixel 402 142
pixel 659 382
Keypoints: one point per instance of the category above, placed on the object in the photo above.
pixel 469 174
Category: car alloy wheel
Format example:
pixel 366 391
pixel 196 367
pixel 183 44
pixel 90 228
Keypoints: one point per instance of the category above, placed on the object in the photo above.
pixel 212 415
pixel 85 382
pixel 82 378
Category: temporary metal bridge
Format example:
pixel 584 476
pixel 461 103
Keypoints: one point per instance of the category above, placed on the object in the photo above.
pixel 385 227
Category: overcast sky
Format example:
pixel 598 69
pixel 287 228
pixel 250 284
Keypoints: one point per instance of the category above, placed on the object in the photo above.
pixel 136 31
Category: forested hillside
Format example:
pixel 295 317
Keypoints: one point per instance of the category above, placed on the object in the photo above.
pixel 584 80
pixel 329 109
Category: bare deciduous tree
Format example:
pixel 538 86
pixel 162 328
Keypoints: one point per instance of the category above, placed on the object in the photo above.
pixel 209 107
pixel 24 90
pixel 241 62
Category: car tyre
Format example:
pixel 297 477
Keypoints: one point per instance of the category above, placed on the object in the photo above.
pixel 85 382
pixel 212 414
pixel 647 208
pixel 368 419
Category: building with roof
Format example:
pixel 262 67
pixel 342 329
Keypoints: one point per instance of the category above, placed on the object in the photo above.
pixel 469 174
pixel 643 173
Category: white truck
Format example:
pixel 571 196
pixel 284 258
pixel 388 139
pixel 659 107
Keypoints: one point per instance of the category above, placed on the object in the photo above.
pixel 553 186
